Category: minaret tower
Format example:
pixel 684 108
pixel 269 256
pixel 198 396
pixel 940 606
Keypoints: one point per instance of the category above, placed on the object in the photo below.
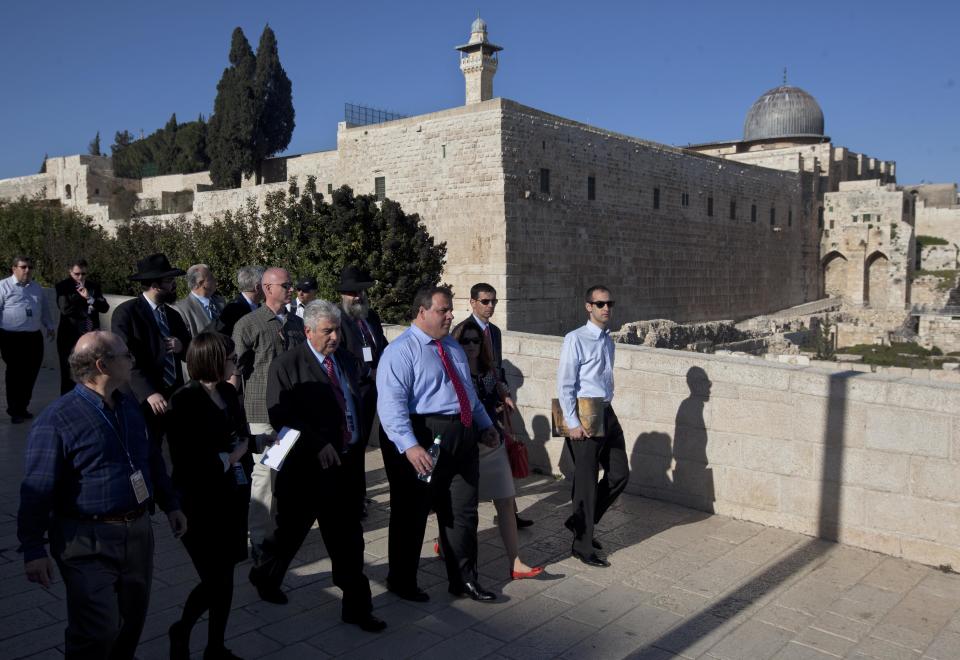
pixel 478 61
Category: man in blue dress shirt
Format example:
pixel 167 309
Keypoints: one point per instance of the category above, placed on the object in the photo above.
pixel 586 370
pixel 425 392
pixel 92 477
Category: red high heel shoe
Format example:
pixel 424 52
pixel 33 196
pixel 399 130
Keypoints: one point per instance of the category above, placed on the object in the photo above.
pixel 520 575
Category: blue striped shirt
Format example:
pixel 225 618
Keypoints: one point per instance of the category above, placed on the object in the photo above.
pixel 585 369
pixel 76 464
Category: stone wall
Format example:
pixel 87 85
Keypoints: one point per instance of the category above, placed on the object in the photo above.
pixel 870 460
pixel 939 257
pixel 155 185
pixel 44 185
pixel 676 261
pixel 930 291
pixel 940 222
pixel 213 203
pixel 940 331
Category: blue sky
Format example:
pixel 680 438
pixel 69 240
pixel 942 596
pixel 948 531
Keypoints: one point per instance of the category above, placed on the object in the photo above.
pixel 887 74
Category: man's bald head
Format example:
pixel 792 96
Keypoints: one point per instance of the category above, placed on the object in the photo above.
pixel 91 349
pixel 276 288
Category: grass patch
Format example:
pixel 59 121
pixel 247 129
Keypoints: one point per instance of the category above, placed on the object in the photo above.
pixel 924 241
pixel 910 355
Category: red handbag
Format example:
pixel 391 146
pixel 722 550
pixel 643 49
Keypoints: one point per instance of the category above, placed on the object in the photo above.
pixel 516 450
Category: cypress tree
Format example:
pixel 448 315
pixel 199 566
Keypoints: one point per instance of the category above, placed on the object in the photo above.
pixel 232 129
pixel 43 167
pixel 165 146
pixel 94 147
pixel 275 99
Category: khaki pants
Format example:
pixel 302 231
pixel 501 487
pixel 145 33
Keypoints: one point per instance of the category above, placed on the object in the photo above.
pixel 262 519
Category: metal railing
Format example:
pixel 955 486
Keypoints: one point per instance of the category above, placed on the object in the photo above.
pixel 361 115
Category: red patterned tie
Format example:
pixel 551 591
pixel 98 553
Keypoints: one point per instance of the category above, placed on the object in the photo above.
pixel 488 337
pixel 338 392
pixel 466 413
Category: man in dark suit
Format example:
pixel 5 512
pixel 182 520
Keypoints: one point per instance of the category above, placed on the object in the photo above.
pixel 156 336
pixel 81 303
pixel 249 298
pixel 306 288
pixel 312 388
pixel 202 306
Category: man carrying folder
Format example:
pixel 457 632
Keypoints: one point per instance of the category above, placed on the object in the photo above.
pixel 586 370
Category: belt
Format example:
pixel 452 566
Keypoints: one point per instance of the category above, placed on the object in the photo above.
pixel 444 418
pixel 122 517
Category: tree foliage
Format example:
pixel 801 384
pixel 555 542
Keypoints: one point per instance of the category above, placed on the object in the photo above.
pixel 174 149
pixel 233 126
pixel 275 120
pixel 94 148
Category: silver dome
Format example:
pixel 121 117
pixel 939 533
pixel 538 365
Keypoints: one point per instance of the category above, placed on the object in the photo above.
pixel 783 112
pixel 479 25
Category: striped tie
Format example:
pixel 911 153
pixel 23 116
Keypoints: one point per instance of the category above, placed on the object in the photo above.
pixel 212 311
pixel 169 363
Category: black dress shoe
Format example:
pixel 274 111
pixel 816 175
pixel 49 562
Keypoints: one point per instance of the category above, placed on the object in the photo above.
pixel 569 525
pixel 415 594
pixel 474 590
pixel 367 623
pixel 26 414
pixel 219 653
pixel 17 419
pixel 267 592
pixel 179 641
pixel 591 560
pixel 522 522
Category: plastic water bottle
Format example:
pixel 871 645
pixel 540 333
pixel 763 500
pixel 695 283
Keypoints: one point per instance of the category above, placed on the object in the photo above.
pixel 434 452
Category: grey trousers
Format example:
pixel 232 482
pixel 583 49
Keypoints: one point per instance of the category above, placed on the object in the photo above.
pixel 107 570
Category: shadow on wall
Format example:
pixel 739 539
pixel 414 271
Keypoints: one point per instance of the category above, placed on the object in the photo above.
pixel 678 470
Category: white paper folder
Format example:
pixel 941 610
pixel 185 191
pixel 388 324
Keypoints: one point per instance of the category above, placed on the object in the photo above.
pixel 275 454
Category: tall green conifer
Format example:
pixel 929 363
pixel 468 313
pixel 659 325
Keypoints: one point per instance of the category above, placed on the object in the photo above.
pixel 233 126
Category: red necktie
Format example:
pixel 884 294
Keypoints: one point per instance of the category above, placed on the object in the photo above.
pixel 488 338
pixel 466 413
pixel 338 392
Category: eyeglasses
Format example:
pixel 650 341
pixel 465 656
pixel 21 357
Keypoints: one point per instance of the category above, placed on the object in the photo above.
pixel 83 274
pixel 233 358
pixel 487 301
pixel 602 303
pixel 114 356
pixel 467 342
pixel 285 285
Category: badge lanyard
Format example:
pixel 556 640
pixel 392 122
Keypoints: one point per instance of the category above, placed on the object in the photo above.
pixel 137 480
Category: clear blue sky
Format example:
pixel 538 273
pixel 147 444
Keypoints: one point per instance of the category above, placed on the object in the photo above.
pixel 887 74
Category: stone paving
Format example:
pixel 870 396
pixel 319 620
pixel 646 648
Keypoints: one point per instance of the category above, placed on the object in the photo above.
pixel 683 584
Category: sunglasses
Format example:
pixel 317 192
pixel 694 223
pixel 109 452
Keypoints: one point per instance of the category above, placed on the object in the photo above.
pixel 466 342
pixel 603 303
pixel 285 285
pixel 488 301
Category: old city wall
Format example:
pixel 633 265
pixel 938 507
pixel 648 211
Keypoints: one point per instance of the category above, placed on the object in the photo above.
pixel 31 186
pixel 675 262
pixel 447 167
pixel 940 222
pixel 321 164
pixel 154 186
pixel 212 203
pixel 940 331
pixel 870 460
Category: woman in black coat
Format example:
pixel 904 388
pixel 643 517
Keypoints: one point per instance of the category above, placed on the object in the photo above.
pixel 211 470
pixel 81 303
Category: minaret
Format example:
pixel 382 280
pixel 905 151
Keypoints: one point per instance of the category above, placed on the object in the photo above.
pixel 478 61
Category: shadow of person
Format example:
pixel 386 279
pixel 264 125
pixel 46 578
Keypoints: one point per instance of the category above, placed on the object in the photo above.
pixel 692 478
pixel 651 464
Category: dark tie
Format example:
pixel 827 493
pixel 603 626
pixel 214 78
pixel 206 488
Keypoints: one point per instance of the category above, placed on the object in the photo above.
pixel 87 320
pixel 169 364
pixel 212 311
pixel 367 335
pixel 488 337
pixel 338 393
pixel 466 413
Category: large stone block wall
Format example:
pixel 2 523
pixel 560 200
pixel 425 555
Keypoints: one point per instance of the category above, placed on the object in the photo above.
pixel 44 185
pixel 869 460
pixel 321 165
pixel 154 186
pixel 940 331
pixel 213 203
pixel 674 262
pixel 940 222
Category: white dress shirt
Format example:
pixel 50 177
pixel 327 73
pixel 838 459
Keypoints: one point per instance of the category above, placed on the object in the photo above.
pixel 585 369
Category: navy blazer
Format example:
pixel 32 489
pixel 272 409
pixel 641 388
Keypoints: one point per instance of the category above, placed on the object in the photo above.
pixel 231 313
pixel 353 341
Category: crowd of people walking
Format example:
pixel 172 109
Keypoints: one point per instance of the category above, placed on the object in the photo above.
pixel 225 386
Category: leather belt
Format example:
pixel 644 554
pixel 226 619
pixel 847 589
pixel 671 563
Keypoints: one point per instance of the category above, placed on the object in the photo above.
pixel 124 517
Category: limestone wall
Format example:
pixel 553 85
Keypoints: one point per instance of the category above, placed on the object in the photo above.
pixel 939 257
pixel 940 331
pixel 941 222
pixel 212 203
pixel 44 185
pixel 321 165
pixel 869 460
pixel 676 261
pixel 155 185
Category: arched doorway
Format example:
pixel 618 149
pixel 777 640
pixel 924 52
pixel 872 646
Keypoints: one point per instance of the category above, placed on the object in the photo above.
pixel 835 270
pixel 876 281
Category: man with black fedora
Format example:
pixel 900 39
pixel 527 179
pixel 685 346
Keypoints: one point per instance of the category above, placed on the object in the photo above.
pixel 157 337
pixel 363 337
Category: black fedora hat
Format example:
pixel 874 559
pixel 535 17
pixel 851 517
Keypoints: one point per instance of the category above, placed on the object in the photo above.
pixel 155 267
pixel 352 278
pixel 306 284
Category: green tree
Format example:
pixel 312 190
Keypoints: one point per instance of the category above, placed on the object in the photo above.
pixel 274 95
pixel 191 147
pixel 94 148
pixel 232 130
pixel 43 165
pixel 165 146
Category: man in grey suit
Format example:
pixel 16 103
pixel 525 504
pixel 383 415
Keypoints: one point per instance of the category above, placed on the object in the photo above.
pixel 202 306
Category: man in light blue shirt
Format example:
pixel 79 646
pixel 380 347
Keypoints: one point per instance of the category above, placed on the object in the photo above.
pixel 23 315
pixel 425 392
pixel 586 370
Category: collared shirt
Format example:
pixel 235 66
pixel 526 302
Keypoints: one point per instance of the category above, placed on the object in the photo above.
pixel 253 305
pixel 411 380
pixel 479 321
pixel 203 300
pixel 22 308
pixel 78 463
pixel 585 369
pixel 344 388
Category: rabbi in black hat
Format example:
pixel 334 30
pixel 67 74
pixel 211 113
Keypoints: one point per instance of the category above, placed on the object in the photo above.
pixel 157 337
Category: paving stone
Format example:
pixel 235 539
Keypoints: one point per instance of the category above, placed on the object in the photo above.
pixel 405 642
pixel 894 575
pixel 878 649
pixel 782 617
pixel 824 641
pixel 945 647
pixel 522 617
pixel 754 640
pixel 549 640
pixel 606 606
pixel 464 645
pixel 795 651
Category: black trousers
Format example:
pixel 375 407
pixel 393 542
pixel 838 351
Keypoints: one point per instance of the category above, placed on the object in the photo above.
pixel 66 339
pixel 107 570
pixel 590 498
pixel 322 499
pixel 22 352
pixel 452 493
pixel 213 594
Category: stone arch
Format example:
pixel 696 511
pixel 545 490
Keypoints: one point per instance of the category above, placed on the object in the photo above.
pixel 876 280
pixel 835 268
pixel 68 193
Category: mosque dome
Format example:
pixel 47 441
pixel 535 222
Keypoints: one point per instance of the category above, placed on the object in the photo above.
pixel 479 25
pixel 783 112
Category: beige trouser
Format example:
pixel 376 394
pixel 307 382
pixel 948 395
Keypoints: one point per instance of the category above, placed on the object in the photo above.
pixel 262 519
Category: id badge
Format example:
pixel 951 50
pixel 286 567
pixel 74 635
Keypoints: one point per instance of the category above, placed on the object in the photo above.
pixel 139 487
pixel 238 474
pixel 30 313
pixel 367 354
pixel 351 425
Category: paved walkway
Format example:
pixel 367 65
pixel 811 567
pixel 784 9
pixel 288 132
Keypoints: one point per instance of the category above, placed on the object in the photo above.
pixel 683 584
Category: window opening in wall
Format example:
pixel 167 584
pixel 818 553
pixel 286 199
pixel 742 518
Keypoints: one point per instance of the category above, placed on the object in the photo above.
pixel 866 217
pixel 96 191
pixel 854 218
pixel 543 145
pixel 773 216
pixel 831 224
pixel 710 207
pixel 544 180
pixel 380 187
pixel 789 217
pixel 443 148
pixel 656 198
pixel 733 209
pixel 753 213
pixel 879 217
pixel 591 187
pixel 67 191
pixel 820 217
pixel 684 199
pixel 329 188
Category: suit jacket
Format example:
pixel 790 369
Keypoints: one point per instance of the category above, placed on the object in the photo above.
pixel 73 309
pixel 353 340
pixel 231 313
pixel 136 324
pixel 195 316
pixel 300 396
pixel 496 338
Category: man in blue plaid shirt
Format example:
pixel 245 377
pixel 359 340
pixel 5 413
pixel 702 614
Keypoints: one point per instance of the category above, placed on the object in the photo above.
pixel 92 478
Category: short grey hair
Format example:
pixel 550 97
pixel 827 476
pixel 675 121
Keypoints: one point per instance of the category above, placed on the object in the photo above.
pixel 195 275
pixel 83 363
pixel 319 310
pixel 249 277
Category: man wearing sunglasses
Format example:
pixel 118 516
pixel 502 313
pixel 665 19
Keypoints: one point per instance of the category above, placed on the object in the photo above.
pixel 586 370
